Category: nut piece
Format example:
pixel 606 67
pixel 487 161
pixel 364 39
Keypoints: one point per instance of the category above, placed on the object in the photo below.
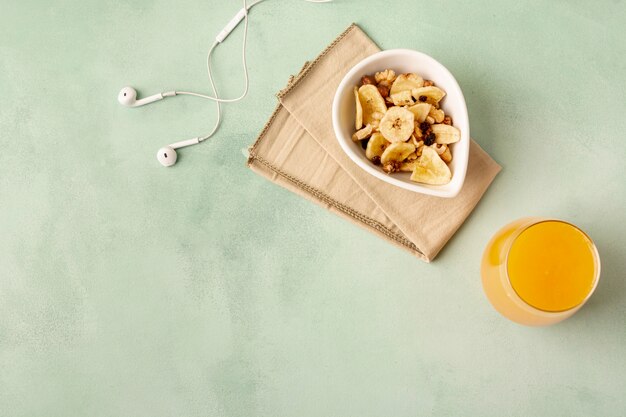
pixel 417 142
pixel 366 79
pixel 383 90
pixel 446 156
pixel 418 146
pixel 439 147
pixel 430 120
pixel 443 151
pixel 428 83
pixel 391 166
pixel 447 120
pixel 362 134
pixel 386 77
pixel 417 132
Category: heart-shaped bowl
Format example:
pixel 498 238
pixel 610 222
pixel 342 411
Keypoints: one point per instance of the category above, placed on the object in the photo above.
pixel 453 104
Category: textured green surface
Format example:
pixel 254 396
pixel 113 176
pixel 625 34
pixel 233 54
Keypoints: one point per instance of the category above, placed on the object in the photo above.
pixel 128 289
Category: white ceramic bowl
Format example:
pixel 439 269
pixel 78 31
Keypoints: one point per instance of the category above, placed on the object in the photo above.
pixel 453 104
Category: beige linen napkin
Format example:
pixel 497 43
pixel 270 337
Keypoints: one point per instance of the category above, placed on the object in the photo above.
pixel 298 150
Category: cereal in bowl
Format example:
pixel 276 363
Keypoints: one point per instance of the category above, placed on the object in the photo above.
pixel 402 128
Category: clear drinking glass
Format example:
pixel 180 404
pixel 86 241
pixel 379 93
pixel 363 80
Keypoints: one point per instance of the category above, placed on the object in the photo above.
pixel 539 271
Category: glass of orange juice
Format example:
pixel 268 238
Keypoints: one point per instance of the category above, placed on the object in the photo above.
pixel 539 271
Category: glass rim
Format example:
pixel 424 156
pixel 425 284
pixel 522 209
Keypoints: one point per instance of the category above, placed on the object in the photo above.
pixel 596 259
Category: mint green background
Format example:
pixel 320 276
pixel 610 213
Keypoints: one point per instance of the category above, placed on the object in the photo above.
pixel 128 289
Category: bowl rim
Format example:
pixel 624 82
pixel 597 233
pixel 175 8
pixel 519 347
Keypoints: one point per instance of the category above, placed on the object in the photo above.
pixel 460 170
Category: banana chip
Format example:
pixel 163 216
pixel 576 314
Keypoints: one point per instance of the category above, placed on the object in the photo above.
pixel 436 114
pixel 358 121
pixel 408 166
pixel 433 94
pixel 420 111
pixel 376 146
pixel 372 102
pixel 406 82
pixel 430 169
pixel 402 98
pixel 397 152
pixel 446 133
pixel 397 125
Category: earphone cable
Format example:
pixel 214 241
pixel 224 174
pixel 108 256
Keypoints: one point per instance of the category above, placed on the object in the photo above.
pixel 214 87
pixel 215 96
pixel 210 74
pixel 245 66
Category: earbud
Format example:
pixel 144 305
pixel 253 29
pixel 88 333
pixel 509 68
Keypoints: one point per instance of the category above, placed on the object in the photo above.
pixel 128 97
pixel 167 155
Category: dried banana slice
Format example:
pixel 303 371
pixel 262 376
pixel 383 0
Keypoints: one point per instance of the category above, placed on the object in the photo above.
pixel 376 118
pixel 408 166
pixel 397 152
pixel 420 111
pixel 372 102
pixel 446 133
pixel 433 94
pixel 436 114
pixel 358 122
pixel 376 146
pixel 406 82
pixel 397 125
pixel 430 169
pixel 402 98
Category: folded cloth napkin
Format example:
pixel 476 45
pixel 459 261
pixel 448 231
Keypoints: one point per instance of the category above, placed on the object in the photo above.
pixel 297 149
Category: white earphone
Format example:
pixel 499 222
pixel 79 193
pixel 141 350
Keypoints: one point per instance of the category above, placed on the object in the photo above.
pixel 128 95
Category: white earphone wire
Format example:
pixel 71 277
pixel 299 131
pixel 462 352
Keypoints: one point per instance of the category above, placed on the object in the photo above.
pixel 219 105
pixel 215 96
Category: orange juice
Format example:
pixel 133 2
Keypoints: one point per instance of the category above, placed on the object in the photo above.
pixel 539 271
